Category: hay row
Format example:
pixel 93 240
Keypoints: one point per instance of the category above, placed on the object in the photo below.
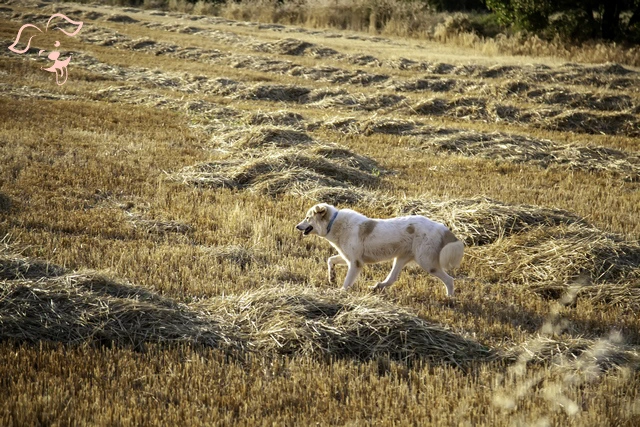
pixel 521 149
pixel 607 75
pixel 568 98
pixel 555 260
pixel 285 171
pixel 255 140
pixel 458 108
pixel 88 308
pixel 26 92
pixel 107 37
pixel 262 136
pixel 49 304
pixel 481 109
pixel 79 308
pixel 469 108
pixel 549 251
pixel 274 160
pixel 296 320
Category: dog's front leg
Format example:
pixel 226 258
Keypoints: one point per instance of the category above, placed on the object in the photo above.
pixel 398 264
pixel 336 259
pixel 352 274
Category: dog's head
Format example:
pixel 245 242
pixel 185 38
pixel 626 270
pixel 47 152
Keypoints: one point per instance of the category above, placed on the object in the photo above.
pixel 317 220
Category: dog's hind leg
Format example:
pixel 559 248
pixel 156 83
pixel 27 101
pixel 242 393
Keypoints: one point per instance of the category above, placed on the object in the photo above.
pixel 398 265
pixel 352 274
pixel 448 281
pixel 336 259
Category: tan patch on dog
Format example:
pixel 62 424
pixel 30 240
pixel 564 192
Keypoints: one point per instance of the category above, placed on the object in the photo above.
pixel 446 239
pixel 411 229
pixel 318 210
pixel 366 228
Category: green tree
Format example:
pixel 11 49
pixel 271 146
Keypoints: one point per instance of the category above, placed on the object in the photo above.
pixel 607 19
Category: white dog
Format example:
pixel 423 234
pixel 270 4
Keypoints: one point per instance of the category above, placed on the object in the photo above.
pixel 360 240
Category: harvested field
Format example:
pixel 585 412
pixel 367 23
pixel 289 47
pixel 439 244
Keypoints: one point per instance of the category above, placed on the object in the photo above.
pixel 150 272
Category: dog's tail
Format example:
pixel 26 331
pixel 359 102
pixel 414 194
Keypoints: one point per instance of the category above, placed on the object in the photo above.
pixel 451 254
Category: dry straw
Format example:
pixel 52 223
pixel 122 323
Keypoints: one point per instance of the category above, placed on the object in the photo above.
pixel 86 307
pixel 545 153
pixel 89 308
pixel 577 352
pixel 572 258
pixel 277 172
pixel 276 159
pixel 549 251
pixel 296 320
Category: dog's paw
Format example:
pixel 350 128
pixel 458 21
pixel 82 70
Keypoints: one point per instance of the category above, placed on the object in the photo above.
pixel 378 287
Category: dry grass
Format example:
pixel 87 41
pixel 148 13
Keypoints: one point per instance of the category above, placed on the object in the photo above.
pixel 163 303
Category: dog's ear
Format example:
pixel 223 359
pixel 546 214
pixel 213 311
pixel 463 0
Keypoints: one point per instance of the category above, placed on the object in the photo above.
pixel 322 210
pixel 12 48
pixel 74 26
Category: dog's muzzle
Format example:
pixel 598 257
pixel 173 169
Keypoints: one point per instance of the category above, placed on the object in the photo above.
pixel 305 231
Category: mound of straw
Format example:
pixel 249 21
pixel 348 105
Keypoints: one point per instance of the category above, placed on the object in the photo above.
pixel 251 171
pixel 295 320
pixel 266 137
pixel 360 102
pixel 278 118
pixel 544 153
pixel 553 261
pixel 482 221
pixel 281 93
pixel 290 320
pixel 339 196
pixel 293 171
pixel 607 124
pixel 417 85
pixel 465 107
pixel 79 308
pixel 294 47
pixel 387 126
